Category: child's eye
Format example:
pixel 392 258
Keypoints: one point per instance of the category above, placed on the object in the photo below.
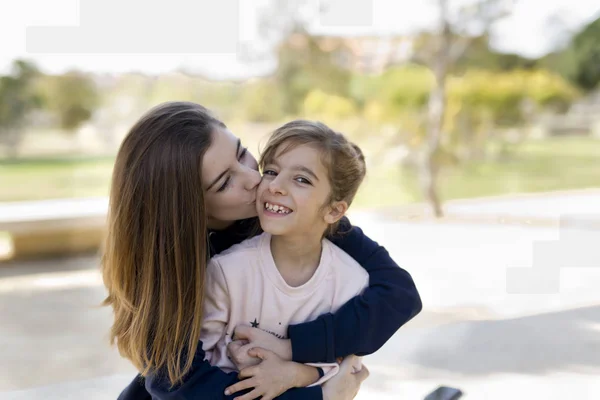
pixel 303 180
pixel 270 172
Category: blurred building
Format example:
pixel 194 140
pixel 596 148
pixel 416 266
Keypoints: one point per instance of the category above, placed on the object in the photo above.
pixel 582 118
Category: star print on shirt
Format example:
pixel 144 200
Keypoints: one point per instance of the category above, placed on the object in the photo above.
pixel 254 324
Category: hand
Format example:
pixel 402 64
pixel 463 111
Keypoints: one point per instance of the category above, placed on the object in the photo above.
pixel 259 338
pixel 345 385
pixel 238 354
pixel 272 376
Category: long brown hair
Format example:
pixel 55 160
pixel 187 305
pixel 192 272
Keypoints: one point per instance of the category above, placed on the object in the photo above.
pixel 155 253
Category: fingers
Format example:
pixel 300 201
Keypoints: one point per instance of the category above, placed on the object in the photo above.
pixel 234 346
pixel 246 348
pixel 242 332
pixel 241 385
pixel 240 342
pixel 247 372
pixel 249 396
pixel 362 374
pixel 347 364
pixel 261 353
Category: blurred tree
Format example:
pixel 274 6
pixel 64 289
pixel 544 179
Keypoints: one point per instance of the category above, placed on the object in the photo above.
pixel 174 86
pixel 448 44
pixel 487 100
pixel 399 88
pixel 305 63
pixel 327 107
pixel 479 54
pixel 71 97
pixel 17 99
pixel 579 59
pixel 586 52
pixel 261 101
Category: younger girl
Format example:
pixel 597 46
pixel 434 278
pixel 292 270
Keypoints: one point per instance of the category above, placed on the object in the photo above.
pixel 290 273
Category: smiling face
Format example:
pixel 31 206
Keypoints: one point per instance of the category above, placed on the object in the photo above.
pixel 292 196
pixel 229 179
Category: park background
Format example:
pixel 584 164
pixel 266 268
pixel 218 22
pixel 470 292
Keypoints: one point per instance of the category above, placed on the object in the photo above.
pixel 480 122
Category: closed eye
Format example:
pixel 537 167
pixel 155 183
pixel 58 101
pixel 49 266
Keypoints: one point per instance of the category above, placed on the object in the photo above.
pixel 243 153
pixel 228 180
pixel 224 185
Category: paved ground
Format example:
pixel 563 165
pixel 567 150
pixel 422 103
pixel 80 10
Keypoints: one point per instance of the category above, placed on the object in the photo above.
pixel 475 331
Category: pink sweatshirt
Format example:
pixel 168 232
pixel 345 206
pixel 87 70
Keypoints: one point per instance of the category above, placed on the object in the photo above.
pixel 244 287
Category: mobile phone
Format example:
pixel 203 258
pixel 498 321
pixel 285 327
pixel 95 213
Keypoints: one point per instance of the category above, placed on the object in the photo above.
pixel 444 393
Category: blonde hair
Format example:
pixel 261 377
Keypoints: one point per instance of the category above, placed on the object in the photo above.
pixel 344 160
pixel 155 253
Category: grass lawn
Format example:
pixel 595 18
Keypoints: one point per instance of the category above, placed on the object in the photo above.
pixel 536 166
pixel 553 164
pixel 37 179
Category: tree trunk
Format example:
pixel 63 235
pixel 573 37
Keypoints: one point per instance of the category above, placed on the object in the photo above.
pixel 12 140
pixel 428 162
pixel 435 116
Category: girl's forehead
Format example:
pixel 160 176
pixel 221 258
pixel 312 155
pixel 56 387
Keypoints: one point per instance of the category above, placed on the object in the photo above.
pixel 295 149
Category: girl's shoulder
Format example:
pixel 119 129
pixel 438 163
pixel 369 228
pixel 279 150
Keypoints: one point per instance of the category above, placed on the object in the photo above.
pixel 343 262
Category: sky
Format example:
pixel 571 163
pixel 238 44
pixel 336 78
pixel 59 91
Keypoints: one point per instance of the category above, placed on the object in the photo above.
pixel 148 36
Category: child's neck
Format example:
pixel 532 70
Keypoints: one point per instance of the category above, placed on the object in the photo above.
pixel 297 257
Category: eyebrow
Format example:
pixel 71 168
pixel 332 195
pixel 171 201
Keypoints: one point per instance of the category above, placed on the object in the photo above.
pixel 222 174
pixel 305 169
pixel 297 168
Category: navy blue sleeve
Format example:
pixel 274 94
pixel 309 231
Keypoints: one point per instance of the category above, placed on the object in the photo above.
pixel 135 390
pixel 203 381
pixel 366 322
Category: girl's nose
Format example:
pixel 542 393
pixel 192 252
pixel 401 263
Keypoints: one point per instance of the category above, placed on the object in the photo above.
pixel 276 187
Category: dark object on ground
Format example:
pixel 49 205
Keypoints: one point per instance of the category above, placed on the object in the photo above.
pixel 445 393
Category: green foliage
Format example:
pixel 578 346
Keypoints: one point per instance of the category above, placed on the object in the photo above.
pixel 497 94
pixel 17 99
pixel 478 101
pixel 549 89
pixel 479 55
pixel 328 107
pixel 72 97
pixel 261 101
pixel 396 90
pixel 503 94
pixel 580 60
pixel 304 64
pixel 586 51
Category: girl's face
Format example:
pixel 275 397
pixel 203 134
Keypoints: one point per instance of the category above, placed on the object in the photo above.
pixel 292 194
pixel 229 179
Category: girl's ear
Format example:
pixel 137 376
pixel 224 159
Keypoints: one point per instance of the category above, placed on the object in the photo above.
pixel 336 211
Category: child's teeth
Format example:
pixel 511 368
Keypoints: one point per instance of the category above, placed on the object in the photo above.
pixel 276 208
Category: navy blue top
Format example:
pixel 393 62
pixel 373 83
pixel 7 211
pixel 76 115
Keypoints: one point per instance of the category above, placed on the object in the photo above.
pixel 361 326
